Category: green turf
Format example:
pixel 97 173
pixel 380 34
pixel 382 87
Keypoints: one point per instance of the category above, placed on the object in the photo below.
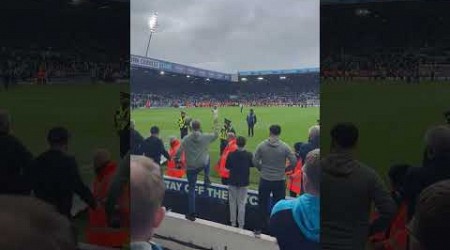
pixel 86 110
pixel 391 116
pixel 294 123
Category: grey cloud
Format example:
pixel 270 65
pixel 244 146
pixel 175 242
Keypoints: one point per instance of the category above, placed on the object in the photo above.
pixel 230 35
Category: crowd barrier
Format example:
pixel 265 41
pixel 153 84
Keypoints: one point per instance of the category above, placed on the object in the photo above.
pixel 211 202
pixel 177 233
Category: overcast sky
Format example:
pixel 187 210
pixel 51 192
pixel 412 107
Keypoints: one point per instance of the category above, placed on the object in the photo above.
pixel 230 35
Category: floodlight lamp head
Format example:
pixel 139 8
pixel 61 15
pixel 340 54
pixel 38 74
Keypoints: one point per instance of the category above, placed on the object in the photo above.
pixel 153 22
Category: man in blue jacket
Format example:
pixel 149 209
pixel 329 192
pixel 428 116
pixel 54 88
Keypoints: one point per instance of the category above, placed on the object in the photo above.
pixel 296 223
pixel 251 121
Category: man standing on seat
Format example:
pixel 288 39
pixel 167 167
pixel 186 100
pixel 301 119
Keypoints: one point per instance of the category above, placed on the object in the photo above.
pixel 195 147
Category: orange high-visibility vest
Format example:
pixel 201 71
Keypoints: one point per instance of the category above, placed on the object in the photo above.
pixel 294 182
pixel 220 167
pixel 171 170
pixel 398 236
pixel 98 232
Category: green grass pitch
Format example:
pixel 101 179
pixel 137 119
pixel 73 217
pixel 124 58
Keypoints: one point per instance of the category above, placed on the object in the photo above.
pixel 86 110
pixel 392 118
pixel 294 122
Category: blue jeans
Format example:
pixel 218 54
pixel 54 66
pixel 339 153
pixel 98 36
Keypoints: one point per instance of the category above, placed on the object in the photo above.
pixel 192 181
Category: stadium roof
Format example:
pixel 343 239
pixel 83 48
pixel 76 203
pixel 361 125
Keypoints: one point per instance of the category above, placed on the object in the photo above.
pixel 156 64
pixel 278 72
pixel 165 66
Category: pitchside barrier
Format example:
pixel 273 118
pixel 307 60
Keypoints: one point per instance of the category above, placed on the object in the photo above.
pixel 177 233
pixel 211 202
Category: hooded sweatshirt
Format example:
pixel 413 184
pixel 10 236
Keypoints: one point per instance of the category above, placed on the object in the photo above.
pixel 195 146
pixel 296 223
pixel 348 189
pixel 270 159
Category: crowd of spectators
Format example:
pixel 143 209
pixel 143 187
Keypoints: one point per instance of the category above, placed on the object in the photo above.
pixel 19 65
pixel 221 100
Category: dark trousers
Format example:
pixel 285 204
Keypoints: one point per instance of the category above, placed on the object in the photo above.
pixel 223 145
pixel 278 191
pixel 124 142
pixel 184 132
pixel 250 130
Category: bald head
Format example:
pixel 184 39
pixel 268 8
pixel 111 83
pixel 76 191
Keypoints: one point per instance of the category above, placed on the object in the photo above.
pixel 147 193
pixel 5 122
pixel 433 208
pixel 437 141
pixel 312 172
pixel 29 223
pixel 231 136
pixel 101 157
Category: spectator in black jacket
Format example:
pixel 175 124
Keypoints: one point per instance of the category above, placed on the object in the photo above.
pixel 56 176
pixel 14 160
pixel 136 138
pixel 153 147
pixel 239 163
pixel 436 165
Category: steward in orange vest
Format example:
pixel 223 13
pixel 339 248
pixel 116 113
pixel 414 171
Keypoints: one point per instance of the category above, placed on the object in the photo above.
pixel 172 169
pixel 396 237
pixel 98 231
pixel 294 181
pixel 220 167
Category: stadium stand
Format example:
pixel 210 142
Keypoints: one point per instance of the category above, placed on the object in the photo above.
pixel 370 48
pixel 151 85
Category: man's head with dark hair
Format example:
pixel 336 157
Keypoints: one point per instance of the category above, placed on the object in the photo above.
pixel 29 223
pixel 428 229
pixel 397 174
pixel 58 137
pixel 154 131
pixel 196 125
pixel 241 141
pixel 344 136
pixel 251 111
pixel 146 195
pixel 275 130
pixel 5 122
pixel 183 114
pixel 437 142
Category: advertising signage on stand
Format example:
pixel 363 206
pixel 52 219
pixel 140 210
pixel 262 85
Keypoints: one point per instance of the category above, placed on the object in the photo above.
pixel 156 64
pixel 211 202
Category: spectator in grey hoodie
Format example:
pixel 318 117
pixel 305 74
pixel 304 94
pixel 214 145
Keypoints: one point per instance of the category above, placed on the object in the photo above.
pixel 348 190
pixel 270 159
pixel 195 146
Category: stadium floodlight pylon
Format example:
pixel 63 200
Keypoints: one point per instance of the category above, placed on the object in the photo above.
pixel 152 24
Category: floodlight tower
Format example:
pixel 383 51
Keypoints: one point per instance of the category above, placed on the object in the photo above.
pixel 152 24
